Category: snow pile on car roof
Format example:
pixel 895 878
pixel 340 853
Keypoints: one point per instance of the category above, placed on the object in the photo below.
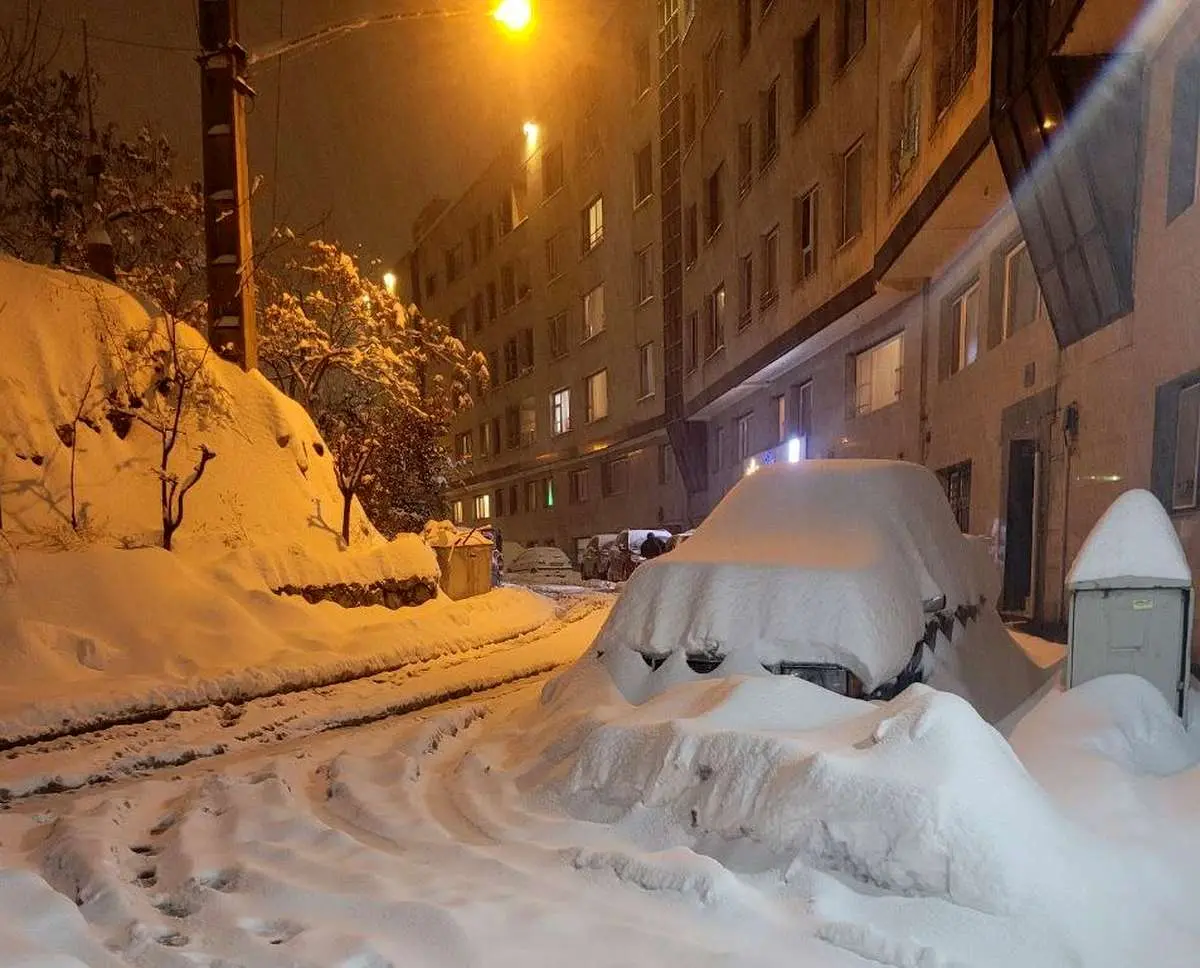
pixel 541 560
pixel 834 562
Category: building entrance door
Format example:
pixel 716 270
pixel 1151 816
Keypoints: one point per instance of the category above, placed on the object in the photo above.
pixel 1020 532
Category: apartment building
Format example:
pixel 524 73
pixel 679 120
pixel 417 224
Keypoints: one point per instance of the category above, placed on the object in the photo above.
pixel 879 229
pixel 550 264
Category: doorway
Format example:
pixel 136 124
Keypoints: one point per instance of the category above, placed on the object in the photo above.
pixel 1020 529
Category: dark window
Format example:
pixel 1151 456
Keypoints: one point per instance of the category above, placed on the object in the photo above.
pixel 643 75
pixel 552 170
pixel 477 312
pixel 496 436
pixel 745 157
pixel 713 74
pixel 806 71
pixel 554 255
pixel 745 290
pixel 689 118
pixel 957 40
pixel 769 127
pixel 559 345
pixel 713 213
pixel 956 480
pixel 1185 128
pixel 512 428
pixel 489 232
pixel 691 236
pixel 431 285
pixel 614 476
pixel 693 341
pixel 643 174
pixel 714 331
pixel 525 350
pixel 852 207
pixel 589 133
pixel 511 367
pixel 508 286
pixel 852 29
pixel 454 262
pixel 666 464
pixel 473 243
pixel 804 241
pixel 458 324
pixel 770 264
pixel 491 301
pixel 745 22
pixel 498 503
pixel 513 506
pixel 579 485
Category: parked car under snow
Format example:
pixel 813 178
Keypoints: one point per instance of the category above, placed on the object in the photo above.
pixel 852 574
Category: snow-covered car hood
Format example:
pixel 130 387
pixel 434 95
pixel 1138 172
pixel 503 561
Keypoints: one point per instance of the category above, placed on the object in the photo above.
pixel 825 561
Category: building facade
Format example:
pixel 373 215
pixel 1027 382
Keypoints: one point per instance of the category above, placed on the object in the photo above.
pixel 876 229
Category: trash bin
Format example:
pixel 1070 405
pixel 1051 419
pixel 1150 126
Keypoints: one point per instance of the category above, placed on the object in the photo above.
pixel 1131 600
pixel 466 569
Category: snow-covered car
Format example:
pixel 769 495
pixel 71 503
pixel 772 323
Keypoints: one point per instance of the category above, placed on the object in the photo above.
pixel 593 563
pixel 852 574
pixel 626 552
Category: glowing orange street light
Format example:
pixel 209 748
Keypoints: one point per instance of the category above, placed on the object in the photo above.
pixel 514 15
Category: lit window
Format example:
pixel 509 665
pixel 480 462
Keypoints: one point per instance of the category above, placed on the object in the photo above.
pixel 964 317
pixel 456 512
pixel 593 312
pixel 560 411
pixel 462 446
pixel 483 507
pixel 1023 303
pixel 593 224
pixel 878 375
pixel 596 393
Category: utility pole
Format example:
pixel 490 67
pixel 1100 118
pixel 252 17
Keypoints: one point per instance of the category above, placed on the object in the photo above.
pixel 228 246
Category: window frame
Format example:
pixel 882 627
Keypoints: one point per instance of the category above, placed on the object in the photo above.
pixel 643 274
pixel 870 352
pixel 646 383
pixel 1040 311
pixel 590 329
pixel 560 411
pixel 714 329
pixel 590 416
pixel 958 306
pixel 593 229
pixel 846 236
pixel 802 270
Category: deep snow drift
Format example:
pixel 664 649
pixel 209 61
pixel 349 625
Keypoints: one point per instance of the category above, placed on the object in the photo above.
pixel 272 481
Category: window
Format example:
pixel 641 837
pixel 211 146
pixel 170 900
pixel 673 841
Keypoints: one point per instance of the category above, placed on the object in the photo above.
pixel 907 138
pixel 692 347
pixel 719 448
pixel 614 476
pixel 802 409
pixel 552 170
pixel 560 411
pixel 554 256
pixel 806 71
pixel 491 302
pixel 462 445
pixel 712 203
pixel 666 464
pixel 644 274
pixel 489 232
pixel 593 312
pixel 528 421
pixel 473 243
pixel 956 481
pixel 742 427
pixel 745 290
pixel 578 484
pixel 498 502
pixel 804 219
pixel 745 22
pixel 877 375
pixel 456 512
pixel 769 127
pixel 558 336
pixel 745 157
pixel 512 427
pixel 531 496
pixel 495 435
pixel 454 262
pixel 642 73
pixel 852 29
pixel 689 118
pixel 714 332
pixel 964 320
pixel 431 285
pixel 589 133
pixel 1023 303
pixel 956 32
pixel 525 350
pixel 512 499
pixel 513 206
pixel 1185 126
pixel 478 312
pixel 779 409
pixel 487 443
pixel 511 366
pixel 691 236
pixel 483 507
pixel 458 324
pixel 493 362
pixel 593 224
pixel 596 396
pixel 524 289
pixel 646 370
pixel 770 253
pixel 643 174
pixel 508 286
pixel 713 74
pixel 852 208
pixel 1187 449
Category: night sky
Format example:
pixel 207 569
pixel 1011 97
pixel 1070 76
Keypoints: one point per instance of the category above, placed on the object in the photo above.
pixel 371 125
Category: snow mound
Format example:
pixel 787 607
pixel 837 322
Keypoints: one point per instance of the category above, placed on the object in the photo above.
pixel 272 480
pixel 841 562
pixel 446 534
pixel 1133 539
pixel 405 556
pixel 917 796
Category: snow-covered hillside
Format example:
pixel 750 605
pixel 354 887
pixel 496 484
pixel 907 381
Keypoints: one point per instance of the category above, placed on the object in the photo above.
pixel 271 483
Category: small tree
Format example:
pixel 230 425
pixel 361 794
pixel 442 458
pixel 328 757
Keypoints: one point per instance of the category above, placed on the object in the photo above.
pixel 68 433
pixel 359 362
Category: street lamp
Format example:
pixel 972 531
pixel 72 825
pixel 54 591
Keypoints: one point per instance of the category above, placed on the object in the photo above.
pixel 389 282
pixel 514 15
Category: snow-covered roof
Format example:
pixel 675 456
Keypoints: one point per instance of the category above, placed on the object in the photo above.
pixel 822 561
pixel 1134 539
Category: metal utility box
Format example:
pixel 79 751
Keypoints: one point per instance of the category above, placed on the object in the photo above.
pixel 466 569
pixel 1131 601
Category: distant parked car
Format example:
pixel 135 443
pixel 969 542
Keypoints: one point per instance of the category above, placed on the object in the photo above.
pixel 627 551
pixel 593 563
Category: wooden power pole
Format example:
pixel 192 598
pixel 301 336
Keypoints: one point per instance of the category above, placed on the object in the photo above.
pixel 228 244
